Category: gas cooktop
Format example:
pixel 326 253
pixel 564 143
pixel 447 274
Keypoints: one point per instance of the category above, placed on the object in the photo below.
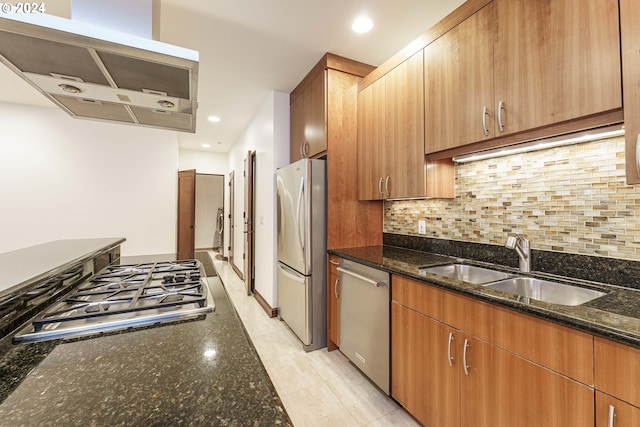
pixel 125 296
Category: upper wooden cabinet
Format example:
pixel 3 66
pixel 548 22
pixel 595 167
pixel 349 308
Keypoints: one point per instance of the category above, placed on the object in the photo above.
pixel 391 161
pixel 630 39
pixel 308 120
pixel 459 92
pixel 515 66
pixel 371 134
pixel 555 60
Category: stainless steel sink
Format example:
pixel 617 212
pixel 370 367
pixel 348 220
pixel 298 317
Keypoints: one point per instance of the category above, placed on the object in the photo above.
pixel 467 273
pixel 543 290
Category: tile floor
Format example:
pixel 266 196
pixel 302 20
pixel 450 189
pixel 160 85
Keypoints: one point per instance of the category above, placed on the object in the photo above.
pixel 317 388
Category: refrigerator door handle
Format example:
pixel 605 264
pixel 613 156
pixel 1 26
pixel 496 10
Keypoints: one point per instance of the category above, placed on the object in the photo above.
pixel 298 222
pixel 291 276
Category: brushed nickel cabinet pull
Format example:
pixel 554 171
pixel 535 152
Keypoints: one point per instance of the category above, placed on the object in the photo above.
pixel 335 288
pixel 612 413
pixel 449 357
pixel 386 185
pixel 484 122
pixel 500 108
pixel 464 357
pixel 380 187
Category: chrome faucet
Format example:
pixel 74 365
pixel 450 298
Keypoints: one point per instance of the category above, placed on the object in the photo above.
pixel 521 246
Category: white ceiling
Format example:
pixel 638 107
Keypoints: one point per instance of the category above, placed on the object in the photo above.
pixel 249 48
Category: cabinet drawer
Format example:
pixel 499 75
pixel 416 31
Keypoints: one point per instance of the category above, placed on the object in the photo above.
pixel 617 369
pixel 417 296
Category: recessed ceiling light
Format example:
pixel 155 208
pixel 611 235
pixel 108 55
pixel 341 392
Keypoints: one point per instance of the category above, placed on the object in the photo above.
pixel 214 119
pixel 206 145
pixel 362 25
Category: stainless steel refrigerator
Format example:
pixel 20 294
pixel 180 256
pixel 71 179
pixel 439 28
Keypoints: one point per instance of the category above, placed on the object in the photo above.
pixel 302 250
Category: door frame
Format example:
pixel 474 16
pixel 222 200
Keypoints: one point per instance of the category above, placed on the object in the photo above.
pixel 249 221
pixel 232 234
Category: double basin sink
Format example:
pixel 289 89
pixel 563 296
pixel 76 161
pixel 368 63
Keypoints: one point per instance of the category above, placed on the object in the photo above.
pixel 525 287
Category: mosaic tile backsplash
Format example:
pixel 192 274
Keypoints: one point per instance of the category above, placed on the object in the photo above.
pixel 570 199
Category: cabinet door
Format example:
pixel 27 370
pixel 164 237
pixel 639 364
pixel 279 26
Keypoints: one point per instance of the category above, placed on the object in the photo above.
pixel 458 75
pixel 629 35
pixel 297 137
pixel 617 369
pixel 403 154
pixel 555 60
pixel 333 303
pixel 502 389
pixel 624 415
pixel 422 379
pixel 315 129
pixel 370 138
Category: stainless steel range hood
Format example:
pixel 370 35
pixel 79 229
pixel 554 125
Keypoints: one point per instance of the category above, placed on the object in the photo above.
pixel 99 74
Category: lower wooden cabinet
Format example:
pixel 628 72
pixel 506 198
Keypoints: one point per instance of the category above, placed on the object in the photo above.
pixel 333 304
pixel 617 370
pixel 612 412
pixel 444 376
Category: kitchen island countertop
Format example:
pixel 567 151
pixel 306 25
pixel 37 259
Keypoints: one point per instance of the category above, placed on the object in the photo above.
pixel 615 316
pixel 199 372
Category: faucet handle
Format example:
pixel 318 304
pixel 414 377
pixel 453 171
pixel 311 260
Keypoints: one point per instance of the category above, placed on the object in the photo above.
pixel 511 242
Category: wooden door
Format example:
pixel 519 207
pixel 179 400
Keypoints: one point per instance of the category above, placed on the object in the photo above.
pixel 555 60
pixel 186 214
pixel 422 379
pixel 249 170
pixel 504 390
pixel 371 127
pixel 403 153
pixel 459 92
pixel 624 415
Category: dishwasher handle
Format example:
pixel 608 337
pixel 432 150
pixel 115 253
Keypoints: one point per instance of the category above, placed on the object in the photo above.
pixel 360 277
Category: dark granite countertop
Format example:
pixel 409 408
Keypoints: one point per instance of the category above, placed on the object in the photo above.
pixel 615 316
pixel 193 373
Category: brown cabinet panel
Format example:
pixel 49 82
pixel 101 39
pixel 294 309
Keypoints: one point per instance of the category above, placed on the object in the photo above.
pixel 315 131
pixel 404 160
pixel 333 304
pixel 629 35
pixel 617 369
pixel 371 132
pixel 504 390
pixel 555 60
pixel 459 84
pixel 421 378
pixel 624 415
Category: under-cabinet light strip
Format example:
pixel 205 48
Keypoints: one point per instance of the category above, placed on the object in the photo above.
pixel 604 133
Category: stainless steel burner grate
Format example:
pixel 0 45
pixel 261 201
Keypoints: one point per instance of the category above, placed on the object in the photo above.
pixel 124 296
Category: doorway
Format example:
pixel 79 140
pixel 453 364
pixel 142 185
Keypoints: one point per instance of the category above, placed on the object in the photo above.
pixel 209 220
pixel 200 201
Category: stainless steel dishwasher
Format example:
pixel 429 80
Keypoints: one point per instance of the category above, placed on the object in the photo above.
pixel 364 320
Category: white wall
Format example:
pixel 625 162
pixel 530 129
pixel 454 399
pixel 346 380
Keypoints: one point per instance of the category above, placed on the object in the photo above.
pixel 64 178
pixel 268 136
pixel 203 161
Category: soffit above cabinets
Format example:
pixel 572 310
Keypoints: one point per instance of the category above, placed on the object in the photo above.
pixel 99 74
